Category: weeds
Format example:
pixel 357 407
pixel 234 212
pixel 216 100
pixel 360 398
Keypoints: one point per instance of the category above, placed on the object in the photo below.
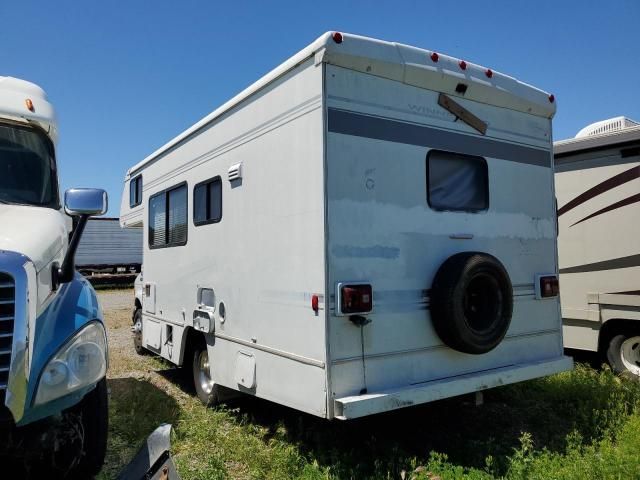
pixel 573 425
pixel 579 424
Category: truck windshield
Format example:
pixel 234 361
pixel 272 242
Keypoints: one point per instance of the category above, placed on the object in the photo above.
pixel 27 167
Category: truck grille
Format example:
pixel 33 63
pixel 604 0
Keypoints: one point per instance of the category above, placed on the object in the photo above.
pixel 7 312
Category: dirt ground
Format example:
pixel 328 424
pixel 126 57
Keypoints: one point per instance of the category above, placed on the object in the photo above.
pixel 117 306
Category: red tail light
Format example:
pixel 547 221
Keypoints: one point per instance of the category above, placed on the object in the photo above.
pixel 549 286
pixel 314 303
pixel 356 299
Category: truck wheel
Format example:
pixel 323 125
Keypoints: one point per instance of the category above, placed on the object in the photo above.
pixel 206 388
pixel 623 354
pixel 471 302
pixel 94 411
pixel 137 333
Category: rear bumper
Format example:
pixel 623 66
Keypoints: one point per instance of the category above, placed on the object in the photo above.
pixel 371 403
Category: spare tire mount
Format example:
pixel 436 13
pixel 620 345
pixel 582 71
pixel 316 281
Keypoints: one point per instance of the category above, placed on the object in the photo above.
pixel 471 302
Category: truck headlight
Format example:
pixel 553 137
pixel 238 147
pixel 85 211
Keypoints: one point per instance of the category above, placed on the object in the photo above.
pixel 80 362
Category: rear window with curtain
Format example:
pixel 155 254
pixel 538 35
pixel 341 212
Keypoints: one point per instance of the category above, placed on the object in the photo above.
pixel 168 218
pixel 457 182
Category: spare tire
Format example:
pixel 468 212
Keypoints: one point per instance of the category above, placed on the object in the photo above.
pixel 471 302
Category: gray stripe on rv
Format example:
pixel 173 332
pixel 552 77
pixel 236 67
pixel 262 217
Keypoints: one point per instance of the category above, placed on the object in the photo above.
pixel 571 165
pixel 614 264
pixel 420 111
pixel 379 128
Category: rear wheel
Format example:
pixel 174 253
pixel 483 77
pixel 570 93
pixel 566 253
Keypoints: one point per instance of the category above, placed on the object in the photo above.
pixel 206 388
pixel 623 354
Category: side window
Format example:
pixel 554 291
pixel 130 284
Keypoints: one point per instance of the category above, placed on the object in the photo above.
pixel 168 218
pixel 135 191
pixel 157 220
pixel 457 182
pixel 207 202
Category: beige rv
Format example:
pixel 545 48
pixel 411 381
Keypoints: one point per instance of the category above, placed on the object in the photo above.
pixel 598 193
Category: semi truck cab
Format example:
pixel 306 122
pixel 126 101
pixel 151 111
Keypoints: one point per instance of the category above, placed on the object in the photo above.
pixel 53 348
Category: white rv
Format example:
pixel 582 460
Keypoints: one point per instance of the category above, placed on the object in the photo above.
pixel 598 189
pixel 367 227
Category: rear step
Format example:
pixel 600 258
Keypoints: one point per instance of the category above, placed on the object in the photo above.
pixel 370 403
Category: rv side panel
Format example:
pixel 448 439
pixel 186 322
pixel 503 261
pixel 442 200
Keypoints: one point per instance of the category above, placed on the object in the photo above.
pixel 264 258
pixel 599 220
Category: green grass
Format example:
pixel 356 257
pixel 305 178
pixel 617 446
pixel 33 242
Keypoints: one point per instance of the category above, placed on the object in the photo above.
pixel 580 424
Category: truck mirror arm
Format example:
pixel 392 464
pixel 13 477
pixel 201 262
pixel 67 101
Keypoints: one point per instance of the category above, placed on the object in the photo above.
pixel 64 274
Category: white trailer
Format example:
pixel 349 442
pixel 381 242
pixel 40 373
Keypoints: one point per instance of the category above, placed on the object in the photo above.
pixel 598 189
pixel 369 226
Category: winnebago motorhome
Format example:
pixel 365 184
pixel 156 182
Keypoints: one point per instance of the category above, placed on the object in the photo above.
pixel 369 226
pixel 598 190
pixel 53 347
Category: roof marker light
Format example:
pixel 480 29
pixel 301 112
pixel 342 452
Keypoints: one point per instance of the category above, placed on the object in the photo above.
pixel 434 57
pixel 489 73
pixel 552 98
pixel 29 104
pixel 463 64
pixel 337 37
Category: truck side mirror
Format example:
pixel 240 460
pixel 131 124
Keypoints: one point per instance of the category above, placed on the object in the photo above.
pixel 85 201
pixel 82 203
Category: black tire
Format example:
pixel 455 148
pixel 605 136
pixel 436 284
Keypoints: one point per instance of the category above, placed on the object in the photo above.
pixel 94 411
pixel 137 333
pixel 206 389
pixel 618 346
pixel 471 302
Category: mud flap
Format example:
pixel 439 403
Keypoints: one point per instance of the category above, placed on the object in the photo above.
pixel 153 460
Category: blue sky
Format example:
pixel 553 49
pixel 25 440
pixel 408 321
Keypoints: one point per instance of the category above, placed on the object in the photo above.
pixel 126 77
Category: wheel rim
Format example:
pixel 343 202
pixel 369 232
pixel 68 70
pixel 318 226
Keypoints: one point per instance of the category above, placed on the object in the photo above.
pixel 137 333
pixel 204 372
pixel 630 354
pixel 482 302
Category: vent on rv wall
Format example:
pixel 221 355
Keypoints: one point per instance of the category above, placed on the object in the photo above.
pixel 235 172
pixel 606 126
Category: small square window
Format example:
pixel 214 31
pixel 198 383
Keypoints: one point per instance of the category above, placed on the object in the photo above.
pixel 207 202
pixel 457 182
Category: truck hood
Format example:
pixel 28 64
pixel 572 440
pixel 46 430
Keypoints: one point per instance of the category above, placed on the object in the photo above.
pixel 36 232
